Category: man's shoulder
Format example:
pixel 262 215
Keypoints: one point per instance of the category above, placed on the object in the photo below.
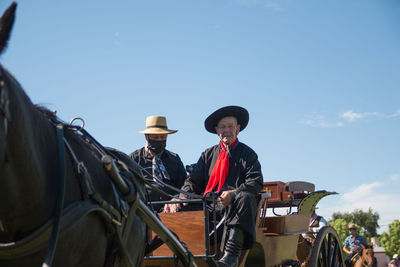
pixel 171 154
pixel 137 153
pixel 245 147
pixel 246 151
pixel 211 149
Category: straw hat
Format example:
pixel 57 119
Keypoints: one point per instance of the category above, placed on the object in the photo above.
pixel 157 125
pixel 395 256
pixel 352 226
pixel 241 114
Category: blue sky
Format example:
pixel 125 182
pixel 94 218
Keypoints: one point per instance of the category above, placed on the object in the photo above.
pixel 319 78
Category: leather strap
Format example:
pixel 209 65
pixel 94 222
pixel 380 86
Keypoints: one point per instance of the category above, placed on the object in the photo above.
pixel 39 239
pixel 60 201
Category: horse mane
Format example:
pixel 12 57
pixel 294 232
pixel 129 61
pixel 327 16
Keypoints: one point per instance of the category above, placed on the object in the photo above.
pixel 50 115
pixel 6 23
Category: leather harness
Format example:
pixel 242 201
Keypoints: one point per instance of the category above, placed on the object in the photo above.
pixel 65 218
pixel 118 219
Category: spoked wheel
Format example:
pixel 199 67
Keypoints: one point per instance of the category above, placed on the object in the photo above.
pixel 327 249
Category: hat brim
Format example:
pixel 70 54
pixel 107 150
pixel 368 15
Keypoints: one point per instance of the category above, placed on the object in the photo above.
pixel 157 131
pixel 241 114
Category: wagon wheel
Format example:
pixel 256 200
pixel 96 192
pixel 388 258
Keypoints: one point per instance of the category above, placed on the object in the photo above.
pixel 327 249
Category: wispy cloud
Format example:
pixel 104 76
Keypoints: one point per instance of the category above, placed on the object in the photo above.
pixel 319 121
pixel 367 196
pixel 344 117
pixel 395 177
pixel 351 116
pixel 396 114
pixel 361 192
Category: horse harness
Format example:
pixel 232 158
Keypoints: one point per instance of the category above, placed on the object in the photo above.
pixel 118 219
pixel 67 217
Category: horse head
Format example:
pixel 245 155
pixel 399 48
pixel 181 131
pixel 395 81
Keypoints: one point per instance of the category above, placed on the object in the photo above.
pixel 367 255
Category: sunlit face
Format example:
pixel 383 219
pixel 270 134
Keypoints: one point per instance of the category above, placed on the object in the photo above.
pixel 227 129
pixel 157 137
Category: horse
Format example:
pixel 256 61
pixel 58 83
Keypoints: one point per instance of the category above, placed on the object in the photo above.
pixel 36 151
pixel 366 258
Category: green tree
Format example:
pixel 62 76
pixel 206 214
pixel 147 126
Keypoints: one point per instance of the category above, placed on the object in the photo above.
pixel 391 241
pixel 367 221
pixel 340 226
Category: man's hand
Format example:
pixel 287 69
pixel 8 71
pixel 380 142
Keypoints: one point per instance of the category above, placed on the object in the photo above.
pixel 227 197
pixel 173 207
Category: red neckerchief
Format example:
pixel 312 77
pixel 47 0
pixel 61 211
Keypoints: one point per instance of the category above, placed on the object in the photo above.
pixel 220 170
pixel 313 218
pixel 354 241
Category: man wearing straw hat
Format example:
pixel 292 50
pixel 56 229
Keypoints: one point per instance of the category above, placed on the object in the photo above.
pixel 158 163
pixel 231 170
pixel 353 241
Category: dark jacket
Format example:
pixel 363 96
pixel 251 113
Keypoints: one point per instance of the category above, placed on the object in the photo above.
pixel 244 175
pixel 173 165
pixel 244 170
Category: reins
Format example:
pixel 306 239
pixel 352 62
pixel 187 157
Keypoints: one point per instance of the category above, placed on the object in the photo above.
pixel 148 182
pixel 60 200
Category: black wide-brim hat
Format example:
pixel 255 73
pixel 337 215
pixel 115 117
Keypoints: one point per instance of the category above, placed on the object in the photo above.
pixel 241 114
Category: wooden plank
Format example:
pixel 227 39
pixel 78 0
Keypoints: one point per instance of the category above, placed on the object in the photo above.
pixel 189 227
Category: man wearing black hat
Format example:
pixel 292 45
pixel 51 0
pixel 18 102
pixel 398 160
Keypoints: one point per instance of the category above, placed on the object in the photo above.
pixel 232 170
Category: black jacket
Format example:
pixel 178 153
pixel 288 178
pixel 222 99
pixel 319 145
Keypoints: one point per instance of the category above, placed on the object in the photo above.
pixel 244 170
pixel 244 175
pixel 173 165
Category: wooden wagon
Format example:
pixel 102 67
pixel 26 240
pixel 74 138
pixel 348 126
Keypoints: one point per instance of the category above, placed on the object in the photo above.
pixel 284 212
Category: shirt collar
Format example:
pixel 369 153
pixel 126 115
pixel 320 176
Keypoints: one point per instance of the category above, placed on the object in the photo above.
pixel 149 155
pixel 232 148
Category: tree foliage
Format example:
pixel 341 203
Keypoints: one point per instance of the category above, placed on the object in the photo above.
pixel 367 221
pixel 340 226
pixel 391 241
